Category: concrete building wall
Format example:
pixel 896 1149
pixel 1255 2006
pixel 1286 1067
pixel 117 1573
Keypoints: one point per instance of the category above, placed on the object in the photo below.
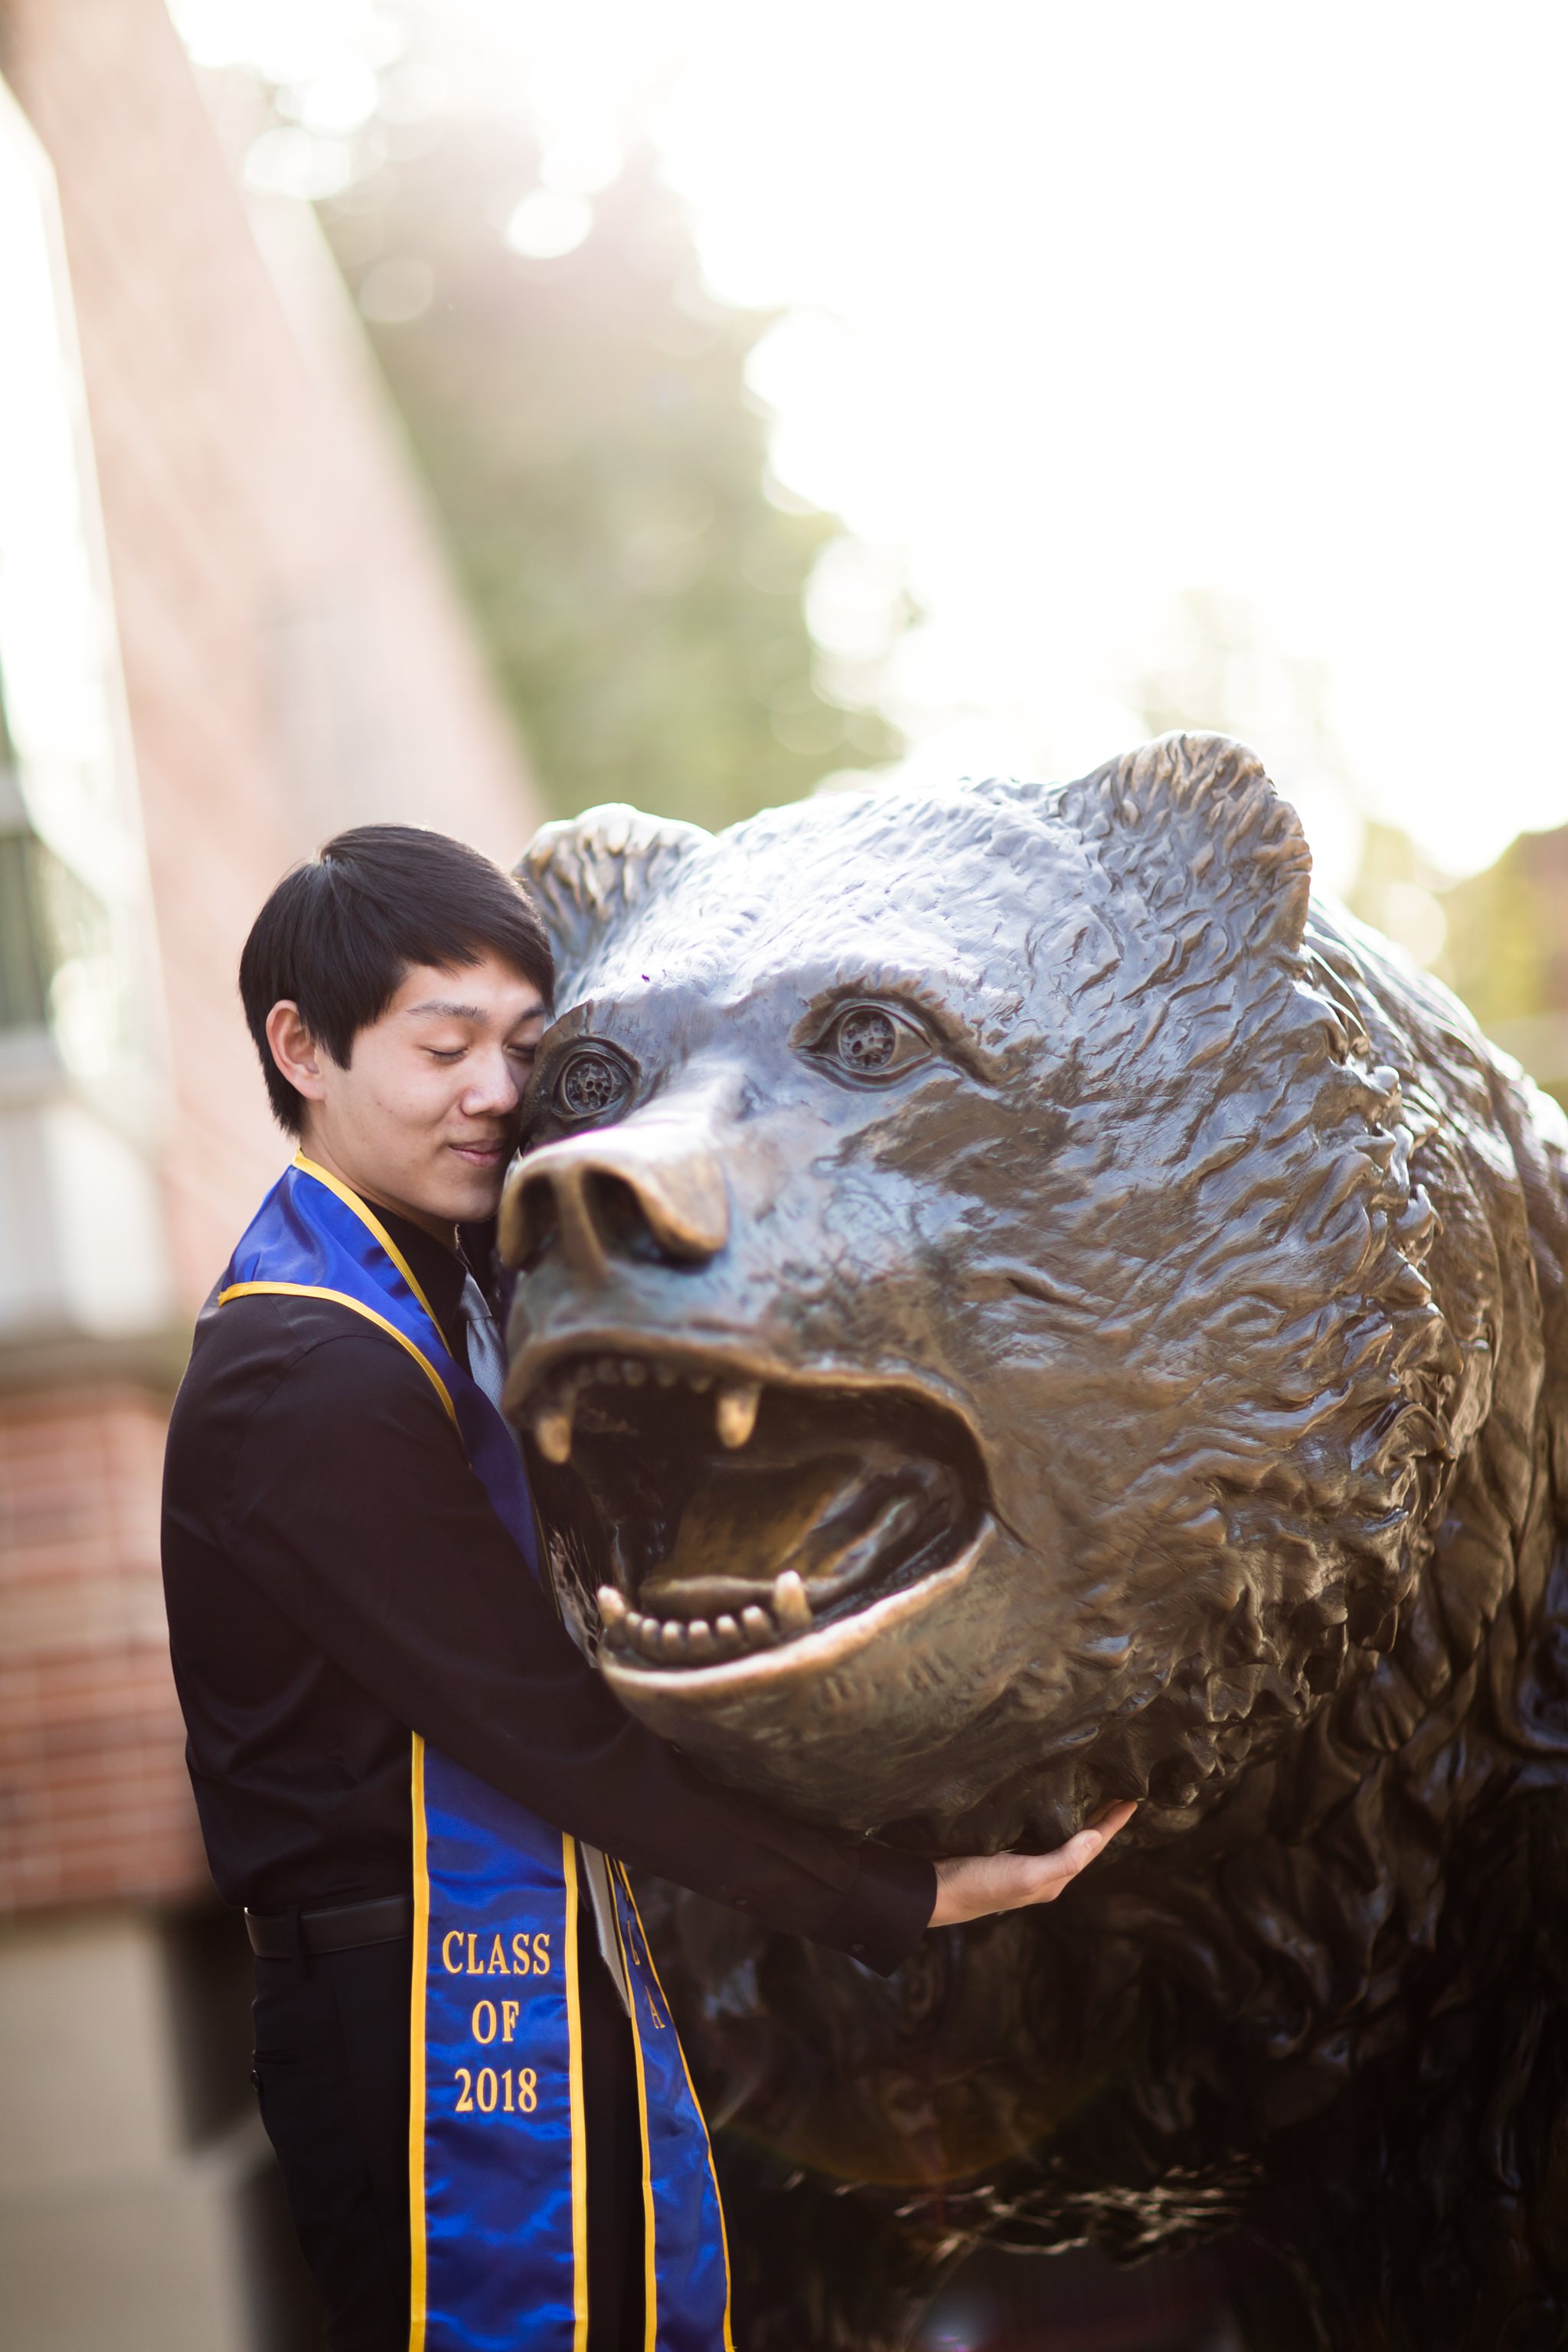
pixel 130 2221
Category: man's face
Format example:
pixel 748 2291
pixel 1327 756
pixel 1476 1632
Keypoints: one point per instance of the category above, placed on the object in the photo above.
pixel 424 1118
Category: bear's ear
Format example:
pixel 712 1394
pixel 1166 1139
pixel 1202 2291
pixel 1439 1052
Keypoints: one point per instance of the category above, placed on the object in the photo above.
pixel 1193 814
pixel 587 872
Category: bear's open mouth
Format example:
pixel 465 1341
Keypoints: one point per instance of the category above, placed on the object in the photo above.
pixel 700 1513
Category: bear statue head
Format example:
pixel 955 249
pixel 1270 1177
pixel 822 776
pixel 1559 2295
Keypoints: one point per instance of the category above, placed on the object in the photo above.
pixel 1000 1322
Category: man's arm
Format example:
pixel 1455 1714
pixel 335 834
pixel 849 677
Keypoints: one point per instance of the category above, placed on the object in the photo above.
pixel 354 1508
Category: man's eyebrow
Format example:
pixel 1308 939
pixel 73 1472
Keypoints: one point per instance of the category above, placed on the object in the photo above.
pixel 449 1012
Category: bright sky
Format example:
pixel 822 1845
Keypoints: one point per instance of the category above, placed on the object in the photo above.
pixel 1094 304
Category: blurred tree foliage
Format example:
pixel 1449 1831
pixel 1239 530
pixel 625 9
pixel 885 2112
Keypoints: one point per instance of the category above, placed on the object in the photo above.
pixel 600 467
pixel 1507 953
pixel 1499 939
pixel 1400 892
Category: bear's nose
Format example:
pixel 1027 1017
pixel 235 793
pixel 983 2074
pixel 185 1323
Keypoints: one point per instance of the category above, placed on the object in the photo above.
pixel 650 1187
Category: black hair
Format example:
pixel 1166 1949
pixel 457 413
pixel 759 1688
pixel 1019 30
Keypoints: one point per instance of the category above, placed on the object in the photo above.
pixel 340 935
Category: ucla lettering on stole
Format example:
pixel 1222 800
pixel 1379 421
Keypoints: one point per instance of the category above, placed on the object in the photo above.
pixel 498 2215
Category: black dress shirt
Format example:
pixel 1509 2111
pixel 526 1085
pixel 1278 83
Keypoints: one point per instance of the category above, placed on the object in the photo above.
pixel 336 1578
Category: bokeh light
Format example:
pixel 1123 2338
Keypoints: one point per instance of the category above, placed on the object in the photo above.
pixel 548 224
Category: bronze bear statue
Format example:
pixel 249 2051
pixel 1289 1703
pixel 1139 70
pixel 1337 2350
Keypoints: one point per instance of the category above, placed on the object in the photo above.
pixel 1021 1306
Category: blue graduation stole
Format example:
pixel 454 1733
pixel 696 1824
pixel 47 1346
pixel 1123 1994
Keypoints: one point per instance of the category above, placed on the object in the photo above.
pixel 497 2161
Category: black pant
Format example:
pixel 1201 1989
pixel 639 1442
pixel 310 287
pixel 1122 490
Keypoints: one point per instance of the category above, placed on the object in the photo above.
pixel 331 2074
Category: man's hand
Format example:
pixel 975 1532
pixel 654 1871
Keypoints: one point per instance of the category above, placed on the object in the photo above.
pixel 977 1884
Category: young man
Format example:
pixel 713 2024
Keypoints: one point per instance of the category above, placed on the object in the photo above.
pixel 395 1746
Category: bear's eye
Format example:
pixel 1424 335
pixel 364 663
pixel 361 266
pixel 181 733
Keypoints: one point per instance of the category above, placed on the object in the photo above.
pixel 872 1041
pixel 589 1083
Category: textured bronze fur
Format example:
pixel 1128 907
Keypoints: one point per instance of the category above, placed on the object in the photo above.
pixel 1234 1254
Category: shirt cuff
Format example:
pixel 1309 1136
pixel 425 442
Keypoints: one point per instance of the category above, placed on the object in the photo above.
pixel 886 1911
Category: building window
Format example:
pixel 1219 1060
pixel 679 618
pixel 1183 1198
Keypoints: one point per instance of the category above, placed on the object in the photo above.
pixel 58 962
pixel 83 1262
pixel 73 889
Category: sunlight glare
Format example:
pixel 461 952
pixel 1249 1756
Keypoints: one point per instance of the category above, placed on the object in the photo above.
pixel 1085 308
pixel 548 225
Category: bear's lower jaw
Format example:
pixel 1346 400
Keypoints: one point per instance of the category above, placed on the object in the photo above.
pixel 841 1722
pixel 904 1719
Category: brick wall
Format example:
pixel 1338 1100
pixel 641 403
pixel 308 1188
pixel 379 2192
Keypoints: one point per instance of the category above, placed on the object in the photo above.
pixel 93 1795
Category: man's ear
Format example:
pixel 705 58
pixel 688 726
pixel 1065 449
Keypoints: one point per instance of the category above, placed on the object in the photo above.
pixel 294 1050
pixel 590 871
pixel 1194 817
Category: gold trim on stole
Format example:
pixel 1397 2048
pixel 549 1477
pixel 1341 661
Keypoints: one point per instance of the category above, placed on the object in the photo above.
pixel 650 2268
pixel 371 1223
pixel 578 2110
pixel 342 1299
pixel 642 2104
pixel 416 2254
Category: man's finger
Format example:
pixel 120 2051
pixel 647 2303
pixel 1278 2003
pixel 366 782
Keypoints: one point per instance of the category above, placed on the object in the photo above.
pixel 1059 1869
pixel 1092 1839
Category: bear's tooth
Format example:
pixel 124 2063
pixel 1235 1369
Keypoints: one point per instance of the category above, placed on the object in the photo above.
pixel 727 1634
pixel 634 1371
pixel 672 1638
pixel 552 1427
pixel 700 1639
pixel 791 1603
pixel 735 1411
pixel 646 1632
pixel 759 1628
pixel 612 1613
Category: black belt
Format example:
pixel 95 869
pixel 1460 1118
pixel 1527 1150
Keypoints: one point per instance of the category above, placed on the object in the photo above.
pixel 284 1935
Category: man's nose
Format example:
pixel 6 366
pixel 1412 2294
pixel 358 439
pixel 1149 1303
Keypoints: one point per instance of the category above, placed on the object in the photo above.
pixel 492 1089
pixel 650 1187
